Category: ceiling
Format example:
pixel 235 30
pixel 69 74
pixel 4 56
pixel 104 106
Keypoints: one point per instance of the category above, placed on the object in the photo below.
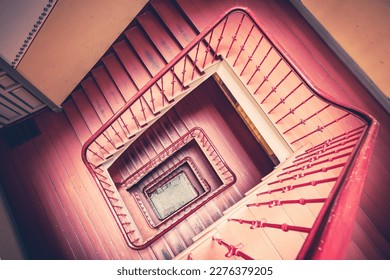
pixel 59 41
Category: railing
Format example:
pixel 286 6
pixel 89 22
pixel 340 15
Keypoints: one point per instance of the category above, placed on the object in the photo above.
pixel 285 93
pixel 204 142
pixel 136 238
pixel 145 208
pixel 116 205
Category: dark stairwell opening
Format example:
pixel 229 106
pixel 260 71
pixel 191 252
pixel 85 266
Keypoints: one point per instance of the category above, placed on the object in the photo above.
pixel 211 184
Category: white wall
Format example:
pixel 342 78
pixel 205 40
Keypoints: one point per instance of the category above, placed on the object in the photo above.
pixel 358 31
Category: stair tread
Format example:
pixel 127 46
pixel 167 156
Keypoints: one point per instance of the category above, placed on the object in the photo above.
pixel 137 71
pixel 175 21
pixel 199 16
pixel 167 46
pixel 163 41
pixel 149 56
pixel 78 123
pixel 87 111
pixel 183 32
pixel 97 99
pixel 115 132
pixel 120 76
pixel 108 88
pixel 205 249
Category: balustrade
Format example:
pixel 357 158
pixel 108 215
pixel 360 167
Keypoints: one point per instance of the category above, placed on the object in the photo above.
pixel 356 141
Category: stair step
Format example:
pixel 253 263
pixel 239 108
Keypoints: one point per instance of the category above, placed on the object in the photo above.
pixel 171 131
pixel 256 242
pixel 129 164
pixel 177 122
pixel 129 123
pixel 154 62
pixel 162 135
pixel 108 88
pixel 76 119
pixel 147 254
pixel 168 47
pixel 183 31
pixel 287 243
pixel 141 153
pixel 195 12
pixel 278 169
pixel 120 76
pixel 148 148
pixel 87 111
pixel 115 132
pixel 174 20
pixel 137 71
pixel 115 171
pixel 142 112
pixel 146 51
pixel 140 75
pixel 154 141
pixel 185 231
pixel 97 99
pixel 162 250
pixel 205 249
pixel 160 37
pixel 175 241
pixel 125 166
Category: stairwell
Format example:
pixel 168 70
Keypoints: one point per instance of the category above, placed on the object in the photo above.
pixel 155 38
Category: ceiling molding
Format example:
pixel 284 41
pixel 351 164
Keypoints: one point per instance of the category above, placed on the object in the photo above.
pixel 33 32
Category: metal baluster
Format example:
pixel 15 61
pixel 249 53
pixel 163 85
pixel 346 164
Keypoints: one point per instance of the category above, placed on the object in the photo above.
pixel 292 111
pixel 312 163
pixel 282 100
pixel 301 185
pixel 208 48
pixel 109 140
pixel 183 72
pixel 266 77
pixel 95 153
pixel 303 121
pixel 242 48
pixel 343 136
pixel 303 174
pixel 220 39
pixel 125 126
pixel 162 90
pixel 234 37
pixel 152 99
pixel 273 203
pixel 134 118
pixel 259 65
pixel 232 250
pixel 195 61
pixel 106 190
pixel 116 132
pixel 173 81
pixel 318 156
pixel 142 108
pixel 100 175
pixel 113 198
pixel 263 224
pixel 320 128
pixel 101 147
